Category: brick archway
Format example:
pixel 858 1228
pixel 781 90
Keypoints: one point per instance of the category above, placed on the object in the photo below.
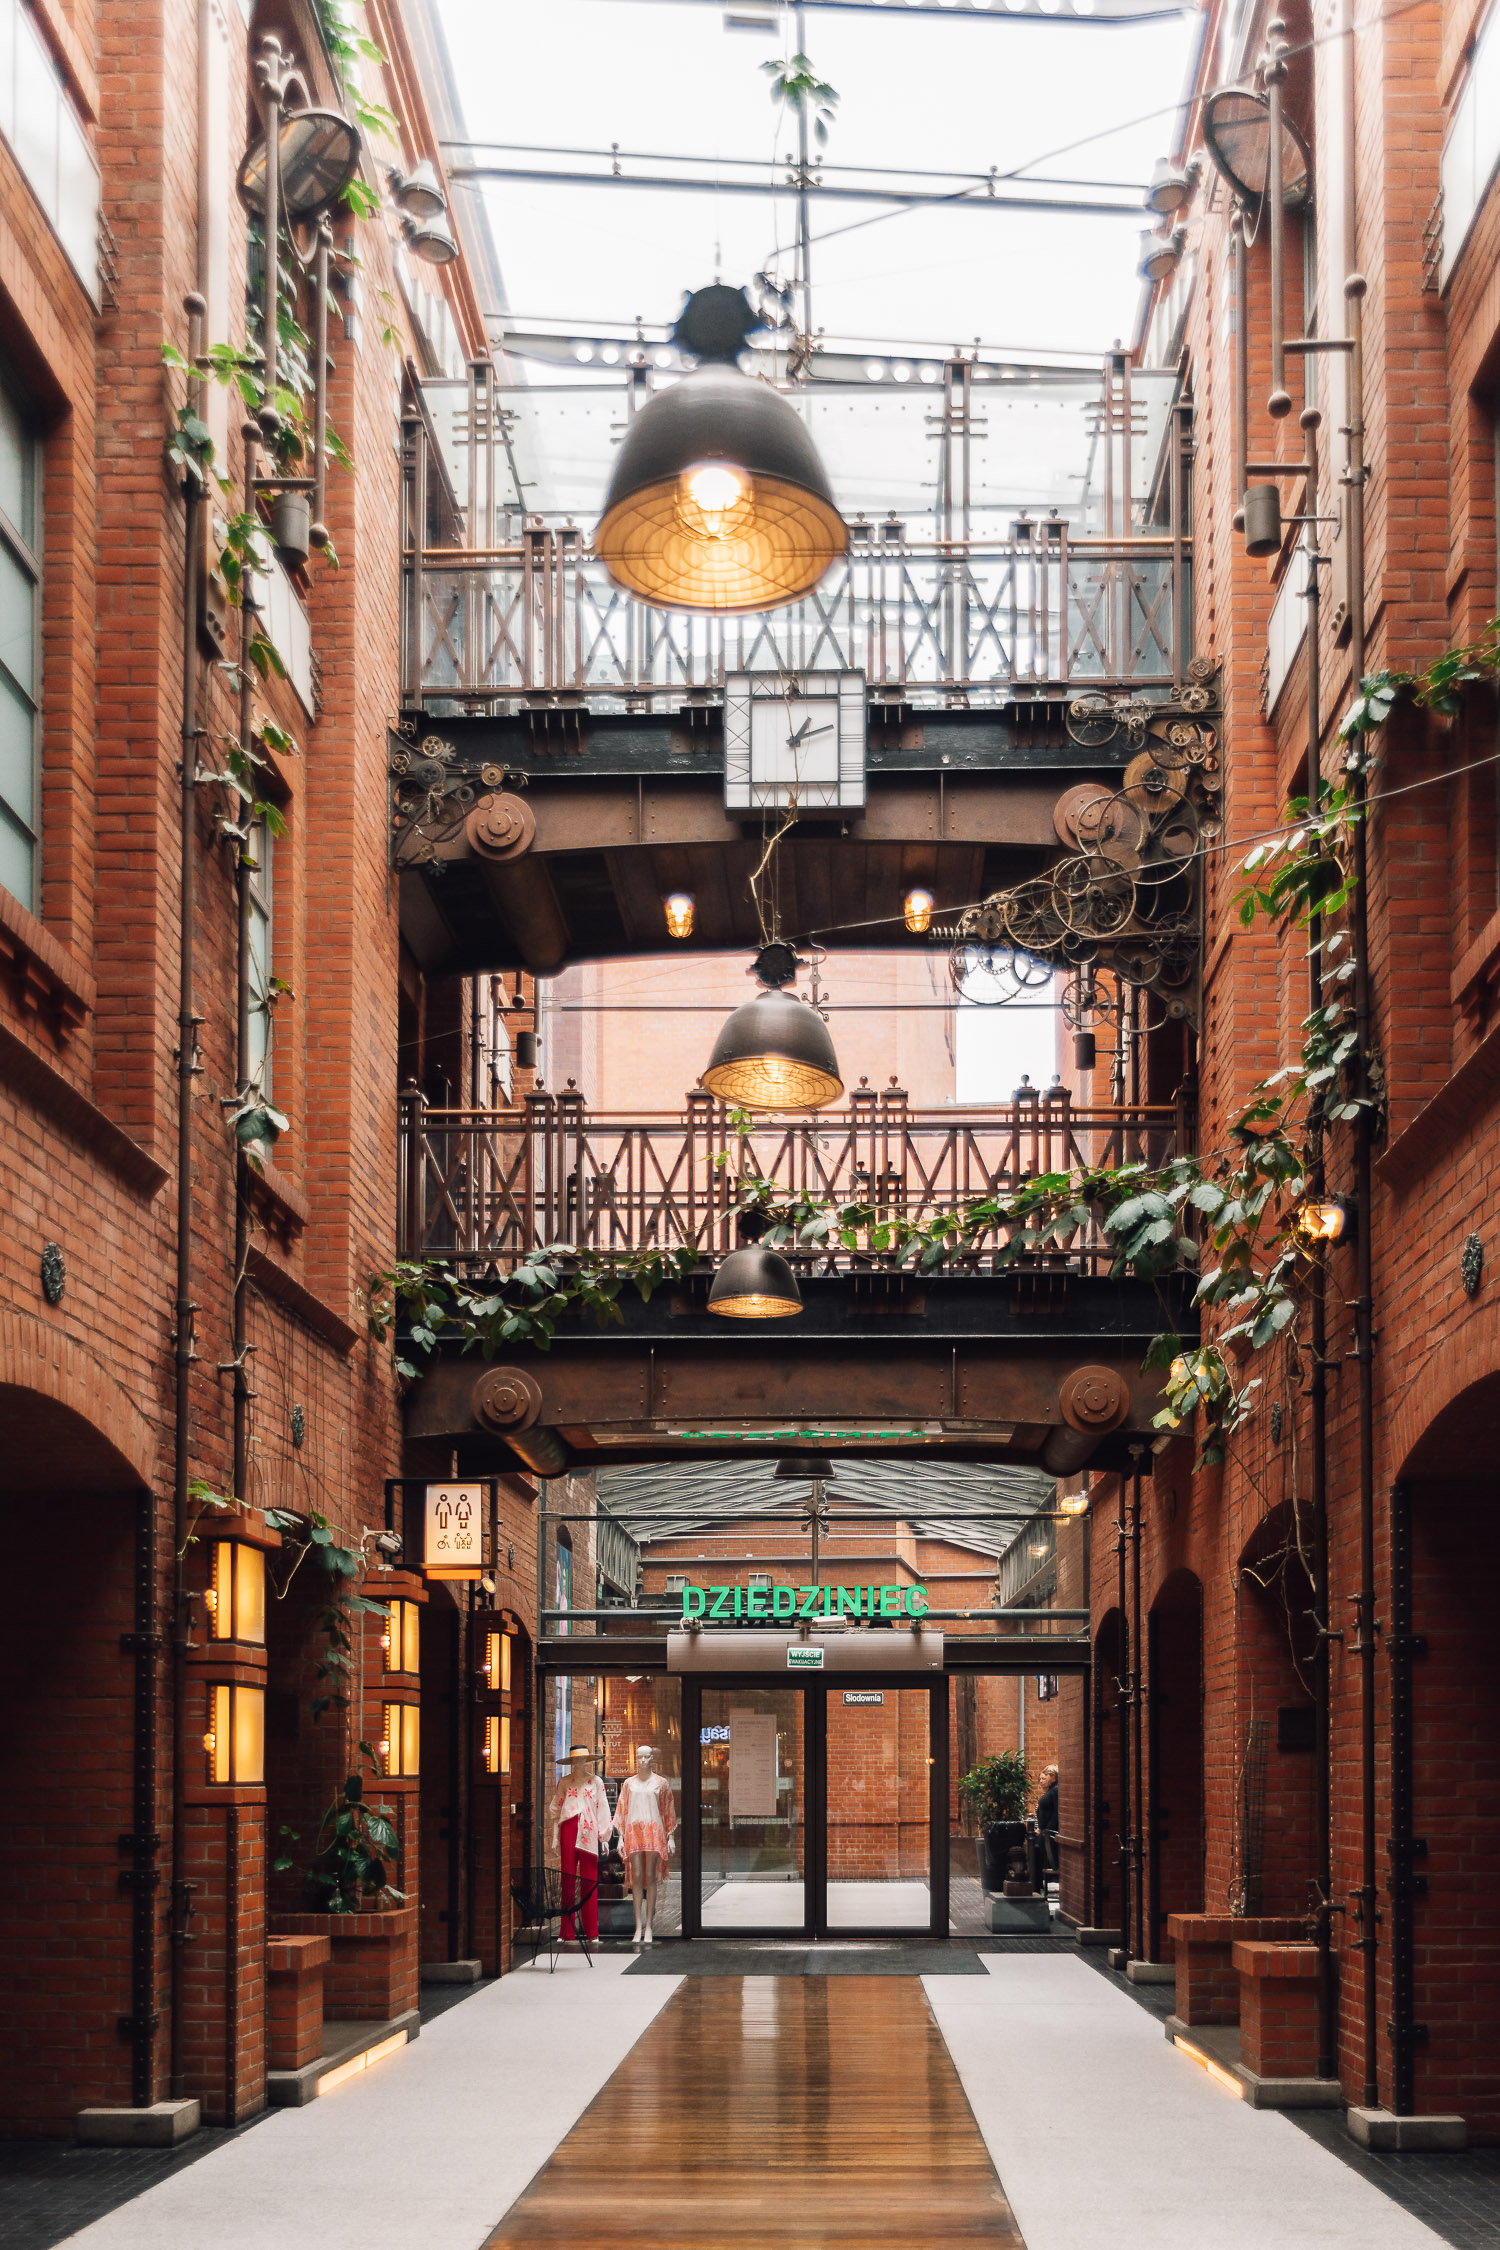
pixel 62 1413
pixel 1455 1399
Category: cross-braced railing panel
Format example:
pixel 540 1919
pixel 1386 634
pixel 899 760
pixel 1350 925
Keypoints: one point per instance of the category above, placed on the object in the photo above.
pixel 486 1188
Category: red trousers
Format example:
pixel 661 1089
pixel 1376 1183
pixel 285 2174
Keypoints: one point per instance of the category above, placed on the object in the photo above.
pixel 580 1874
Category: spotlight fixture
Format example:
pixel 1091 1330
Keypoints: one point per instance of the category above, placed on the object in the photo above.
pixel 774 1052
pixel 319 156
pixel 418 193
pixel 753 1283
pixel 1172 185
pixel 1329 1218
pixel 718 500
pixel 1237 135
pixel 1262 520
pixel 433 242
pixel 679 912
pixel 1161 254
pixel 917 909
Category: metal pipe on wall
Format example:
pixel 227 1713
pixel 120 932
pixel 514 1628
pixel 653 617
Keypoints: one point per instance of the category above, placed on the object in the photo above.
pixel 1279 403
pixel 1122 1690
pixel 143 2001
pixel 1137 1701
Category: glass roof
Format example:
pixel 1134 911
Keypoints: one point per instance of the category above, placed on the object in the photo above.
pixel 969 107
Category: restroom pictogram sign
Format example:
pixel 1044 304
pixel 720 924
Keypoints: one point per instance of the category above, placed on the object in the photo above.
pixel 453 1545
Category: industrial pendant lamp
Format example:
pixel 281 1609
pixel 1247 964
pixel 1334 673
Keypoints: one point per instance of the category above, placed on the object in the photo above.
pixel 718 499
pixel 754 1284
pixel 774 1052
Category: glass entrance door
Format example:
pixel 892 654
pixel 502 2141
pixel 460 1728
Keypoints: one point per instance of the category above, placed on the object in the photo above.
pixel 877 1847
pixel 753 1831
pixel 816 1810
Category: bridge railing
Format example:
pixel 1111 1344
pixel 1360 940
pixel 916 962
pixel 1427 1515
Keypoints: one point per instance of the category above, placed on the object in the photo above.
pixel 975 617
pixel 484 1188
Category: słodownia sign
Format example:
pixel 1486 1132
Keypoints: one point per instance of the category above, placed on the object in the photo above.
pixel 733 1604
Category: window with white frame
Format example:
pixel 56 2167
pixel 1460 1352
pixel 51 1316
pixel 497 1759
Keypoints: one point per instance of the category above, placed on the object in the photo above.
pixel 20 605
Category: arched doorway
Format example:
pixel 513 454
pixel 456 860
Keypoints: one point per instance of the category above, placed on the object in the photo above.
pixel 1174 1757
pixel 75 1512
pixel 1444 1827
pixel 1275 1740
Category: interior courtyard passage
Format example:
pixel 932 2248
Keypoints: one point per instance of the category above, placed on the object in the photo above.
pixel 739 2096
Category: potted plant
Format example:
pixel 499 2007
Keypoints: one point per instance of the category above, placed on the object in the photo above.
pixel 996 1792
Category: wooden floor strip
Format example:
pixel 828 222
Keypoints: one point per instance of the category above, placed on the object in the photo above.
pixel 775 2113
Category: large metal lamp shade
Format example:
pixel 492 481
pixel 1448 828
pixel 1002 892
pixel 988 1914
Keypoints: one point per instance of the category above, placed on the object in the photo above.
pixel 754 1284
pixel 774 1053
pixel 319 157
pixel 718 500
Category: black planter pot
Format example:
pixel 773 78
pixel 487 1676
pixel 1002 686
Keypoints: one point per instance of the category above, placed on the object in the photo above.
pixel 995 1845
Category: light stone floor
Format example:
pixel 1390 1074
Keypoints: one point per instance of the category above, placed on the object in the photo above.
pixel 1100 2131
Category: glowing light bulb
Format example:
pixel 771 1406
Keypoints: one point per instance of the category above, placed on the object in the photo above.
pixel 713 500
pixel 210 1742
pixel 917 908
pixel 679 912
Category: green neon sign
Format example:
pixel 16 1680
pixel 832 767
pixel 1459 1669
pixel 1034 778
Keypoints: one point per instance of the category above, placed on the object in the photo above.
pixel 730 1604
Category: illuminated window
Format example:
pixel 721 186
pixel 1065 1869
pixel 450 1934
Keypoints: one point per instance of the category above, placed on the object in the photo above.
pixel 237 1596
pixel 236 1737
pixel 400 1748
pixel 400 1640
pixel 496 1665
pixel 497 1742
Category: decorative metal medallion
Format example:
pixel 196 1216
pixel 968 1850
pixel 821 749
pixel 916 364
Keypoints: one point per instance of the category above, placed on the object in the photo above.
pixel 299 1425
pixel 54 1273
pixel 1125 899
pixel 1471 1264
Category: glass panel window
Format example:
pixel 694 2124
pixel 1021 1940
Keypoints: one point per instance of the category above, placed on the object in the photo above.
pixel 236 1737
pixel 237 1597
pixel 401 1745
pixel 258 1058
pixel 19 603
pixel 399 1641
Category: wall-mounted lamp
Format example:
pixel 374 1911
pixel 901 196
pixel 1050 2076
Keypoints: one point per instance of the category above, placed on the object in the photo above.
pixel 433 241
pixel 917 911
pixel 401 1740
pixel 236 1736
pixel 1172 185
pixel 1329 1218
pixel 679 912
pixel 1073 1504
pixel 496 1749
pixel 401 1642
pixel 236 1596
pixel 1262 520
pixel 1161 254
pixel 496 1665
pixel 417 194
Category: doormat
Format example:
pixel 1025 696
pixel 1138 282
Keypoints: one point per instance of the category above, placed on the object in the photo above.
pixel 703 1957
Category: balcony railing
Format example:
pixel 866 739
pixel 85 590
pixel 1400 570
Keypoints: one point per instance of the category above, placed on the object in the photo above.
pixel 483 1188
pixel 965 617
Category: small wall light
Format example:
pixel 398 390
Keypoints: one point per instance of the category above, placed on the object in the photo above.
pixel 497 1742
pixel 401 1640
pixel 433 242
pixel 917 911
pixel 1171 185
pixel 1332 1218
pixel 418 193
pixel 236 1597
pixel 400 1748
pixel 679 912
pixel 1161 254
pixel 1073 1504
pixel 236 1735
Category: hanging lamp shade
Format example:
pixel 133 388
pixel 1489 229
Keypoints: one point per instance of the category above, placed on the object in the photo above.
pixel 774 1053
pixel 718 500
pixel 754 1284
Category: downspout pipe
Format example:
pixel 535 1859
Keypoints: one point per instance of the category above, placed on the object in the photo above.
pixel 1123 1691
pixel 188 1066
pixel 1138 1698
pixel 1364 1350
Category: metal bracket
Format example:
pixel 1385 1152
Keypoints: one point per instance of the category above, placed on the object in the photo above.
pixel 140 1843
pixel 129 2025
pixel 1406 1644
pixel 135 1644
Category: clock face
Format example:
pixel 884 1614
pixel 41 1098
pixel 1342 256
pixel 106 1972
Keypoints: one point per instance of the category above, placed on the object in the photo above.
pixel 794 742
pixel 796 738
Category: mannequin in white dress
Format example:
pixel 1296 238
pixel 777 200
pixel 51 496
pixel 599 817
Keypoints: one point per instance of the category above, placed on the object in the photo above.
pixel 646 1820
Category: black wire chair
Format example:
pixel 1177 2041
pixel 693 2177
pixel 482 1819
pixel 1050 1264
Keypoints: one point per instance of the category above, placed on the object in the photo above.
pixel 542 1904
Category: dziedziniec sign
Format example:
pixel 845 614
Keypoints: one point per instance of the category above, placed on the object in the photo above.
pixel 736 1603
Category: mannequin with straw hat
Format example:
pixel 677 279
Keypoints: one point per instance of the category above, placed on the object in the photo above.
pixel 580 1818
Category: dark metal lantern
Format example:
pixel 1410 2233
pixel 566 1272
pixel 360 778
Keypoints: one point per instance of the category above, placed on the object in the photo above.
pixel 774 1053
pixel 718 500
pixel 755 1284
